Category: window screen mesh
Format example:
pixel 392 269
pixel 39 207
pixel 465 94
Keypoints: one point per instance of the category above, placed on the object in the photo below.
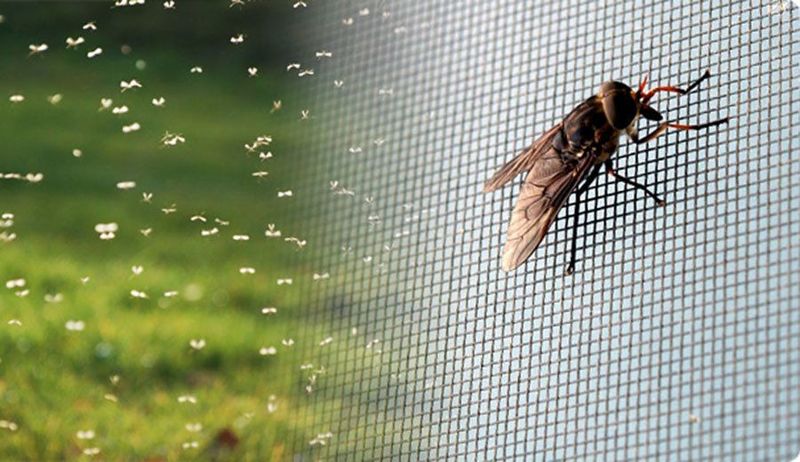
pixel 676 338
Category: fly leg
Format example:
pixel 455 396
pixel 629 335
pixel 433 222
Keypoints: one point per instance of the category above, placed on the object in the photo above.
pixel 666 125
pixel 672 89
pixel 582 189
pixel 611 171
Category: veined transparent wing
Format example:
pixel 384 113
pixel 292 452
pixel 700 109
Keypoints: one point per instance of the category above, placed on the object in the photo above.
pixel 522 162
pixel 545 190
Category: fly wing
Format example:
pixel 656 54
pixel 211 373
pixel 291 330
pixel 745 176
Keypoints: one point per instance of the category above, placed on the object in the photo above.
pixel 522 162
pixel 546 188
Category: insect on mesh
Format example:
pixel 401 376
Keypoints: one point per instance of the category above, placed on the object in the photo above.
pixel 676 338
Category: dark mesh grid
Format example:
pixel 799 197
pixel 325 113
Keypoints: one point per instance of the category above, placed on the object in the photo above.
pixel 676 339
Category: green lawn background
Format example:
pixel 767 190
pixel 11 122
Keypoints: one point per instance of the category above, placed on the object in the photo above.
pixel 55 382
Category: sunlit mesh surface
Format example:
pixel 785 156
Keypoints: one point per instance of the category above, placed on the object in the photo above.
pixel 676 339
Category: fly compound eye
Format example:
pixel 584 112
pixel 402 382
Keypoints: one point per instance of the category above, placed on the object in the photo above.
pixel 620 109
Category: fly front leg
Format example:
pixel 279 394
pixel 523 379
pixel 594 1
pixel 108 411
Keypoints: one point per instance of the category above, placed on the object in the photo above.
pixel 666 125
pixel 578 192
pixel 670 88
pixel 613 173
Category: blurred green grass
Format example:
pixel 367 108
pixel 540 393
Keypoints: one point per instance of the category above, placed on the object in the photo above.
pixel 53 381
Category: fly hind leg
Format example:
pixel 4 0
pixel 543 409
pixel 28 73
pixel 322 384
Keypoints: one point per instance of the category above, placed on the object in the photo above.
pixel 578 192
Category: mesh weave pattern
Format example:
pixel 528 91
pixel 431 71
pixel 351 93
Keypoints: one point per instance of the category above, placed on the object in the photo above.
pixel 677 338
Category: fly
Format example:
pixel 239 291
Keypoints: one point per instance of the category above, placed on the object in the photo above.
pixel 572 152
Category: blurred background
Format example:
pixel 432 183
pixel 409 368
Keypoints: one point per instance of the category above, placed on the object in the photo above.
pixel 176 338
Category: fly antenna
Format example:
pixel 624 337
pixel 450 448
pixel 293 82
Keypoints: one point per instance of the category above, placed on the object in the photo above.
pixel 642 85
